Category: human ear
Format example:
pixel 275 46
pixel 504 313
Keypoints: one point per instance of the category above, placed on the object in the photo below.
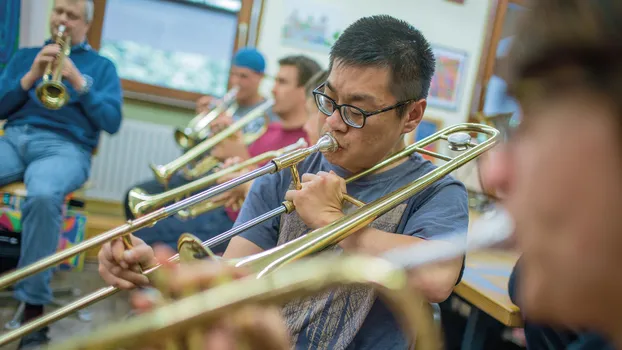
pixel 414 114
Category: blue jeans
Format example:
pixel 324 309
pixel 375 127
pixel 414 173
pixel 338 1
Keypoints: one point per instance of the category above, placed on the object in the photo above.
pixel 51 167
pixel 167 231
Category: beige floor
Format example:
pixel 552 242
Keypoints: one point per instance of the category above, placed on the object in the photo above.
pixel 109 310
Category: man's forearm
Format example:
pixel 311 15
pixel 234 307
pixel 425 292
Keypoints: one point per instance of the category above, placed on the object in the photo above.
pixel 375 242
pixel 435 281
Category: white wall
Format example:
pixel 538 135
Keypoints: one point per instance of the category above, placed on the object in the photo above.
pixel 443 23
pixel 34 22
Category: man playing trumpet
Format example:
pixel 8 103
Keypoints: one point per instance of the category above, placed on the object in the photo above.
pixel 374 95
pixel 50 150
pixel 247 71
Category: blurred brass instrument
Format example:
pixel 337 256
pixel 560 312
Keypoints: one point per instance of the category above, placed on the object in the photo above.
pixel 51 91
pixel 141 203
pixel 198 128
pixel 278 277
pixel 206 164
pixel 163 173
pixel 457 137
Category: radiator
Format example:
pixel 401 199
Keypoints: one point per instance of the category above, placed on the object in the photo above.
pixel 122 160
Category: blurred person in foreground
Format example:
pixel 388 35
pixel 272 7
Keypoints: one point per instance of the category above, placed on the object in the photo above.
pixel 567 77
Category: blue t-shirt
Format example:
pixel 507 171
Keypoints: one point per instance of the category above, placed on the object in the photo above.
pixel 439 209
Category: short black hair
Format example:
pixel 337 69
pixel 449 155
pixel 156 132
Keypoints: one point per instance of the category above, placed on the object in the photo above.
pixel 387 42
pixel 306 67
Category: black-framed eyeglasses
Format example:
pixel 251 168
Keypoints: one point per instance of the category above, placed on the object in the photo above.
pixel 351 115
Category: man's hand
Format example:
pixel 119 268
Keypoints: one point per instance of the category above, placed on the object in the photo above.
pixel 203 104
pixel 47 54
pixel 72 74
pixel 256 326
pixel 232 146
pixel 319 201
pixel 120 267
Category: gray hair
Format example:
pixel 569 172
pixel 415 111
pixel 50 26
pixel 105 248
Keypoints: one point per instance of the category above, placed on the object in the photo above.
pixel 89 11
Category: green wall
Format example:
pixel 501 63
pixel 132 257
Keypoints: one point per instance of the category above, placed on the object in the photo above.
pixel 156 113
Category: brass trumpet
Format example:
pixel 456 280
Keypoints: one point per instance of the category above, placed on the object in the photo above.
pixel 51 91
pixel 141 203
pixel 206 164
pixel 262 264
pixel 277 277
pixel 198 128
pixel 163 173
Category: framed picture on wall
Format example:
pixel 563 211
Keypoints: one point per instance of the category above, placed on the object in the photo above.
pixel 313 27
pixel 448 78
pixel 427 127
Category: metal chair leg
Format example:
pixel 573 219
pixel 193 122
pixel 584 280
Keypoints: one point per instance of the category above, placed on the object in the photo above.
pixel 16 321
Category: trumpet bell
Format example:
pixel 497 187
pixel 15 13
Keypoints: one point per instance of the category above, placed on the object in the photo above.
pixel 137 198
pixel 183 138
pixel 52 94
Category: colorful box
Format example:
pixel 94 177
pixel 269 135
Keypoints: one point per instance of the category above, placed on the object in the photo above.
pixel 72 233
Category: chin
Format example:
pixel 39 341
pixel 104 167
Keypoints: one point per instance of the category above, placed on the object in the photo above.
pixel 335 158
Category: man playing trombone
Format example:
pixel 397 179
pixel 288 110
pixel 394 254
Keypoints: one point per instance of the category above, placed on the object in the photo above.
pixel 289 97
pixel 374 95
pixel 50 149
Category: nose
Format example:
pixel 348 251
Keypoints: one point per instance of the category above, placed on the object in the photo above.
pixel 62 18
pixel 335 122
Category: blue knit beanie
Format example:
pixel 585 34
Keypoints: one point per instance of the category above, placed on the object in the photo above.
pixel 250 58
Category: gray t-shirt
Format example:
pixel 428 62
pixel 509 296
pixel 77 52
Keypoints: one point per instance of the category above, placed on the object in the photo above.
pixel 439 209
pixel 256 124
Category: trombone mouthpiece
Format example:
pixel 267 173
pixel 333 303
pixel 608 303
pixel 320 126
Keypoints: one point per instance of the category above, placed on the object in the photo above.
pixel 327 143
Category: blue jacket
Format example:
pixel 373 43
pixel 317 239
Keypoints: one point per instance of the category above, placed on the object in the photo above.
pixel 84 116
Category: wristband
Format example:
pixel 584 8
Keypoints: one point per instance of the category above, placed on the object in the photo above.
pixel 86 86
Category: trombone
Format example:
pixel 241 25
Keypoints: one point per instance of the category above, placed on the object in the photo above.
pixel 198 128
pixel 276 276
pixel 163 173
pixel 51 91
pixel 141 203
pixel 266 262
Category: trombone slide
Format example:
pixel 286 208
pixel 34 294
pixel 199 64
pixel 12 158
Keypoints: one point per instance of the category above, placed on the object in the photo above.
pixel 387 274
pixel 263 264
pixel 141 203
pixel 326 144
